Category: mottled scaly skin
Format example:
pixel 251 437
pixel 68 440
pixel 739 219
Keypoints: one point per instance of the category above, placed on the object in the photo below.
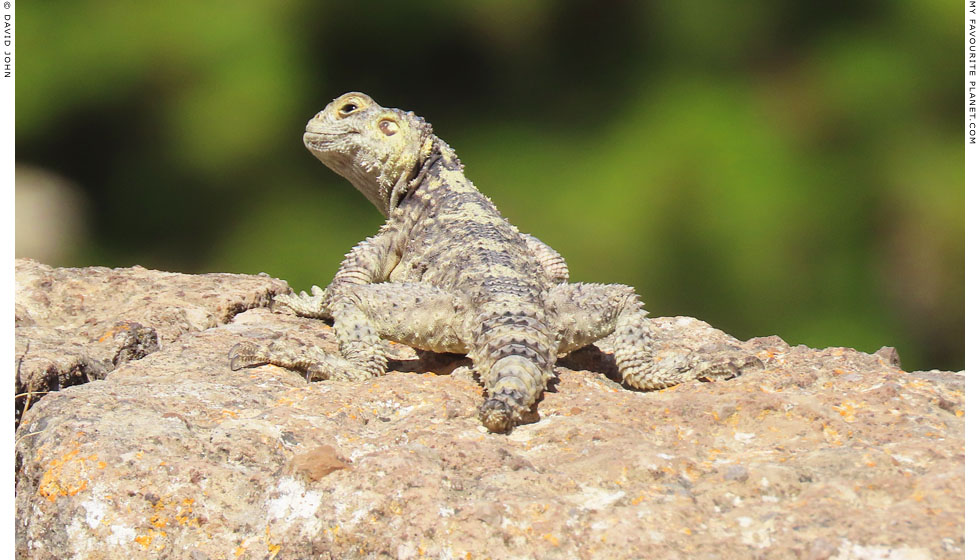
pixel 447 273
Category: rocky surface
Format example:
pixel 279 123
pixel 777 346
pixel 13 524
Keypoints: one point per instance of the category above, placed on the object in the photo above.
pixel 74 325
pixel 825 454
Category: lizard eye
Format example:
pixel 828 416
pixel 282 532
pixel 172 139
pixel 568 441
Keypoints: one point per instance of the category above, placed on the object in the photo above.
pixel 388 127
pixel 348 108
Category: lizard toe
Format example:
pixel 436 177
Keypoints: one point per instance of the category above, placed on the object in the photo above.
pixel 245 354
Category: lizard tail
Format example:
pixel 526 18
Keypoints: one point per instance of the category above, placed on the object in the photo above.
pixel 515 359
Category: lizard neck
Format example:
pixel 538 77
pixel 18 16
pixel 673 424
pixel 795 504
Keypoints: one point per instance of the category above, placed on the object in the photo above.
pixel 436 158
pixel 440 164
pixel 440 177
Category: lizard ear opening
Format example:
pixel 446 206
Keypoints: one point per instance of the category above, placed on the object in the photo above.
pixel 388 127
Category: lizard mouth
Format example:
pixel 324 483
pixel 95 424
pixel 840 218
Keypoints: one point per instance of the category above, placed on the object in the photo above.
pixel 317 141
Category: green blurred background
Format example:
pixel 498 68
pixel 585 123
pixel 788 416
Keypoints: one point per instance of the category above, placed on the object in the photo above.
pixel 771 167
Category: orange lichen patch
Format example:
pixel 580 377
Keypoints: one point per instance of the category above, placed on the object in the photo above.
pixel 181 511
pixel 550 538
pixel 692 472
pixel 145 540
pixel 113 331
pixel 229 413
pixel 846 409
pixel 67 475
pixel 686 531
pixel 831 435
pixel 185 518
pixel 959 412
pixel 273 548
pixel 637 500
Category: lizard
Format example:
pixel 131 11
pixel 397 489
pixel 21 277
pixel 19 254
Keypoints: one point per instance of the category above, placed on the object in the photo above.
pixel 447 273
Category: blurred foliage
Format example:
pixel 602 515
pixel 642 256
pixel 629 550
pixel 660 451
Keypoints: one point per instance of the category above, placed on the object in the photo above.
pixel 790 168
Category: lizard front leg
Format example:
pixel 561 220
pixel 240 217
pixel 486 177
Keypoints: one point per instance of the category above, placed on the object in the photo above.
pixel 418 315
pixel 647 358
pixel 371 260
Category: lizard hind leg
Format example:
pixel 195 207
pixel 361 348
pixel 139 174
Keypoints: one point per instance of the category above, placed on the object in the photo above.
pixel 648 358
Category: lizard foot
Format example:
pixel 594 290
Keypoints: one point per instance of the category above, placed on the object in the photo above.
pixel 677 365
pixel 305 305
pixel 314 362
pixel 246 354
pixel 729 367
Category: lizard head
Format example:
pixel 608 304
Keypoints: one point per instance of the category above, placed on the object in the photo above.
pixel 379 150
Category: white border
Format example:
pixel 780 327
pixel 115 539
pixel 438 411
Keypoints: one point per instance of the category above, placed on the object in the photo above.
pixel 7 189
pixel 971 124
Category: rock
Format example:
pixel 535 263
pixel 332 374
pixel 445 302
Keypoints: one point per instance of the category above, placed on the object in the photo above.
pixel 890 355
pixel 737 472
pixel 74 325
pixel 827 453
pixel 317 463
